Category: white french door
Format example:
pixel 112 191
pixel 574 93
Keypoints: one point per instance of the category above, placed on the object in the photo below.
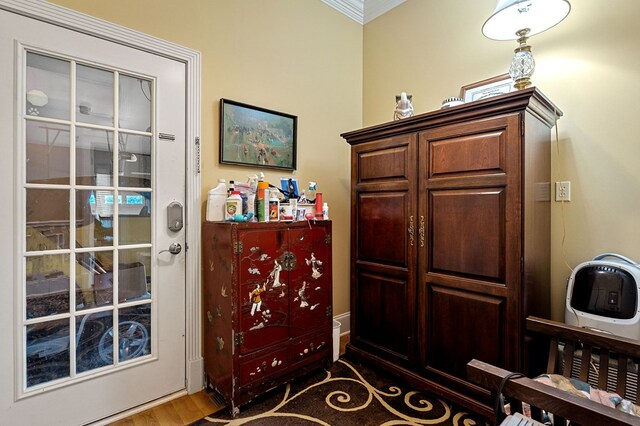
pixel 92 299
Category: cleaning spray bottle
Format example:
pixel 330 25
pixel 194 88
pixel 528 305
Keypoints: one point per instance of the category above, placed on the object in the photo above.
pixel 311 193
pixel 251 196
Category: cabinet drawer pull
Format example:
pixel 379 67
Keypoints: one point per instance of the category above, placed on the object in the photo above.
pixel 421 231
pixel 411 230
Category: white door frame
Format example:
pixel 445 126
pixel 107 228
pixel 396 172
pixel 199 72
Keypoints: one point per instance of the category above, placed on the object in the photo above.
pixel 67 18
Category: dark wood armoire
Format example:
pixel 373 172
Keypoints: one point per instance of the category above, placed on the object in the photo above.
pixel 450 240
pixel 267 293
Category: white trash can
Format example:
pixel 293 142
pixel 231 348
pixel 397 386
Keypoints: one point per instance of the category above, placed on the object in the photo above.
pixel 336 340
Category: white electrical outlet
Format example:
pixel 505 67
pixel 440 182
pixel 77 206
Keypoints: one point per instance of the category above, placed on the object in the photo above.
pixel 563 191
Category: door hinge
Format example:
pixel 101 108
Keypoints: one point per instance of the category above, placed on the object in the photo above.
pixel 237 247
pixel 239 339
pixel 198 154
pixel 329 311
pixel 327 239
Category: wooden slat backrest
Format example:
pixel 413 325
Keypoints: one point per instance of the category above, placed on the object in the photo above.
pixel 589 341
pixel 585 363
pixel 569 351
pixel 604 370
pixel 560 403
pixel 621 381
pixel 554 358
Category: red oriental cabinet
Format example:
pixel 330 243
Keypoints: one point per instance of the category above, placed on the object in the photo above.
pixel 267 304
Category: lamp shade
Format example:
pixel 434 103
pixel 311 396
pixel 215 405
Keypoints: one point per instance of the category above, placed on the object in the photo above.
pixel 511 16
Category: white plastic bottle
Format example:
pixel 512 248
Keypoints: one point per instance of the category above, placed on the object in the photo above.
pixel 274 207
pixel 325 211
pixel 251 198
pixel 215 201
pixel 233 206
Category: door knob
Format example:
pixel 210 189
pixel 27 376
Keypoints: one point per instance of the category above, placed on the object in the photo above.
pixel 174 248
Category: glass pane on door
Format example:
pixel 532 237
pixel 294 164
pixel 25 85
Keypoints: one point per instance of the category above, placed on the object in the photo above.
pixel 94 156
pixel 47 156
pixel 94 95
pixel 47 285
pixel 47 89
pixel 135 103
pixel 47 351
pixel 47 219
pixel 134 165
pixel 87 223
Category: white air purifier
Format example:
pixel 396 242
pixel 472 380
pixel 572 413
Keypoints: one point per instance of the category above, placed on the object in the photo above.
pixel 604 295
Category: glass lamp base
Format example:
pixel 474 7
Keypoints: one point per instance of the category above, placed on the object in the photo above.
pixel 522 66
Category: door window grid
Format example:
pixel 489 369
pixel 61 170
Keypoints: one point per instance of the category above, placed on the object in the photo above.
pixel 75 315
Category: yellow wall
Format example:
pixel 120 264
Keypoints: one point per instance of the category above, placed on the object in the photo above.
pixel 299 57
pixel 304 58
pixel 587 65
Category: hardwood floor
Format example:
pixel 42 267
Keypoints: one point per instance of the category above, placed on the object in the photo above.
pixel 186 409
pixel 179 412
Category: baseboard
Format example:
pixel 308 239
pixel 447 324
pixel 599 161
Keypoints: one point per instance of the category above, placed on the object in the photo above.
pixel 345 322
pixel 195 375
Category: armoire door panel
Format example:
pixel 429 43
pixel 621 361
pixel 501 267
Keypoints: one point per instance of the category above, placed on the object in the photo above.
pixel 264 301
pixel 382 312
pixel 467 232
pixel 382 227
pixel 309 261
pixel 478 153
pixel 479 318
pixel 390 164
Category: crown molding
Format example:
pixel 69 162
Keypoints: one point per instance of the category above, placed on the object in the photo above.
pixel 375 8
pixel 363 11
pixel 354 9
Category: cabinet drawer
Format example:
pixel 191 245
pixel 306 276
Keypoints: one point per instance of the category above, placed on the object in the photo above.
pixel 263 366
pixel 310 348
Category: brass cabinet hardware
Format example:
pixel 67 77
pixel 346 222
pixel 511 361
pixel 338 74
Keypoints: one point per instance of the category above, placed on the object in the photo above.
pixel 288 261
pixel 411 231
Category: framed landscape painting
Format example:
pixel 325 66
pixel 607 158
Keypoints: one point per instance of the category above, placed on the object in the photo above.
pixel 257 137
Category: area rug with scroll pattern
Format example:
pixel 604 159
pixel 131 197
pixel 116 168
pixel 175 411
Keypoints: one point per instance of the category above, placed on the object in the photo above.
pixel 346 394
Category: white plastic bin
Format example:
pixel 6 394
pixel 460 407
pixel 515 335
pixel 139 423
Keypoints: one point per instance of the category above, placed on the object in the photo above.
pixel 336 340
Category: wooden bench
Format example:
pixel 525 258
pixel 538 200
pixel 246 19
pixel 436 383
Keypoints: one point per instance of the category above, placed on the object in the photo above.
pixel 604 354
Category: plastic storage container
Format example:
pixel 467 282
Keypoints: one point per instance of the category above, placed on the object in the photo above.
pixel 336 340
